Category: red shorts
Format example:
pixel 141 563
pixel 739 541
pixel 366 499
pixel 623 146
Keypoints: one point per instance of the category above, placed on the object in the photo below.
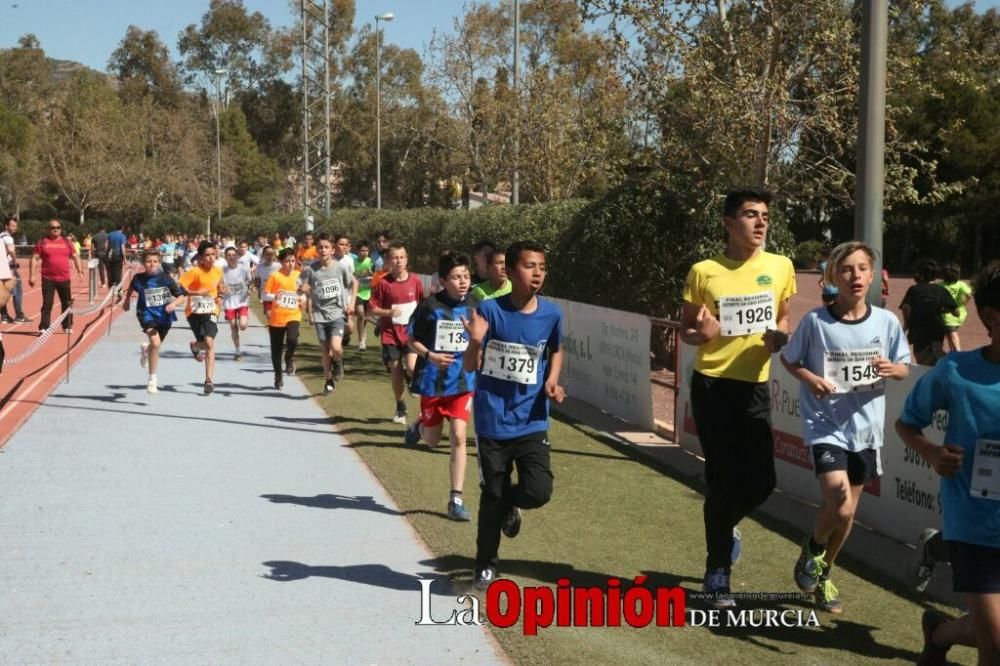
pixel 435 409
pixel 242 311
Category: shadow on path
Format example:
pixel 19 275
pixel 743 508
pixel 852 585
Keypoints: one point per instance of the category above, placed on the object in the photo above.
pixel 376 575
pixel 359 502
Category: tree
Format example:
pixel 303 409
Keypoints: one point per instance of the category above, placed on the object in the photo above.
pixel 142 65
pixel 20 173
pixel 259 180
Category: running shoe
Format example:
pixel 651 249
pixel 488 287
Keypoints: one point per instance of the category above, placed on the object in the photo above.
pixel 400 416
pixel 21 319
pixel 338 371
pixel 290 367
pixel 512 523
pixel 809 568
pixel 922 567
pixel 716 586
pixel 237 355
pixel 484 577
pixel 278 381
pixel 361 345
pixel 411 437
pixel 932 655
pixel 6 320
pixel 737 551
pixel 144 354
pixel 329 385
pixel 209 387
pixel 827 596
pixel 198 354
pixel 458 512
pixel 151 387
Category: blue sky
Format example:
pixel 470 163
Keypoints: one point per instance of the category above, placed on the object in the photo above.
pixel 87 31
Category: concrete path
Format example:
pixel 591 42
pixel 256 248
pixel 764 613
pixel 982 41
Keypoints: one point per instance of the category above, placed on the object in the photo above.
pixel 184 529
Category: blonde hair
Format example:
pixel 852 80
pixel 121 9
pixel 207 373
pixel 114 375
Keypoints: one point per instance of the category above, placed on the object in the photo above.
pixel 841 252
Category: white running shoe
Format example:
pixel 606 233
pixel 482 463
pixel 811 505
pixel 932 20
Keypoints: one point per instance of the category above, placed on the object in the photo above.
pixel 143 354
pixel 151 387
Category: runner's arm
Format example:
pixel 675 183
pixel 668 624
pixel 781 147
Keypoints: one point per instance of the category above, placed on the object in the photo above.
pixel 698 325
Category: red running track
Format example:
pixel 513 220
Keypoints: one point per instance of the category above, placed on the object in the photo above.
pixel 25 385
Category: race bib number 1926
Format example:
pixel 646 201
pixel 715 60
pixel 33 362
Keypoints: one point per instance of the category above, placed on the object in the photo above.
pixel 986 470
pixel 745 315
pixel 511 362
pixel 852 370
pixel 450 336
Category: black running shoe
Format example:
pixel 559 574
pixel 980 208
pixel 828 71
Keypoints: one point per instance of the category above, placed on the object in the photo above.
pixel 512 523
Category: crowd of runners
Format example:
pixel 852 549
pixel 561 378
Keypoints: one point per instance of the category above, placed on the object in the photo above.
pixel 486 344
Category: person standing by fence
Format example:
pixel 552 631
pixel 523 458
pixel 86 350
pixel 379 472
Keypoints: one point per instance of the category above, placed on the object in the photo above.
pixel 17 293
pixel 53 255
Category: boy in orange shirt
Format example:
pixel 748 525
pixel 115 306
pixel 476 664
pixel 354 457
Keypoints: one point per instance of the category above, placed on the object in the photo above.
pixel 205 287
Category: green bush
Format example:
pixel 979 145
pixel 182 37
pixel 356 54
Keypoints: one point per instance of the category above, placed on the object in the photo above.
pixel 807 254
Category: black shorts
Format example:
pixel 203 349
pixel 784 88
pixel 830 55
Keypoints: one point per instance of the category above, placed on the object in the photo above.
pixel 975 569
pixel 861 466
pixel 161 329
pixel 203 326
pixel 392 353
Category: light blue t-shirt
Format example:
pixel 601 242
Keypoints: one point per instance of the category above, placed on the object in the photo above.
pixel 967 386
pixel 855 420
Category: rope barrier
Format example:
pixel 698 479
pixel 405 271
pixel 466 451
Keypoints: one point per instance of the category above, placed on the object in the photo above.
pixel 45 335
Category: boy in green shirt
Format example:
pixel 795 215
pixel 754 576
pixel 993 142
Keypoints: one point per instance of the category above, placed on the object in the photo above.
pixel 496 284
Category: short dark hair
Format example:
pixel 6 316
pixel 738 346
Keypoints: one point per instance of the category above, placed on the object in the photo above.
pixel 986 288
pixel 307 234
pixel 927 270
pixel 323 236
pixel 483 245
pixel 448 261
pixel 340 234
pixel 385 234
pixel 492 256
pixel 736 198
pixel 363 243
pixel 513 253
pixel 395 245
pixel 150 253
pixel 286 252
pixel 951 272
pixel 205 245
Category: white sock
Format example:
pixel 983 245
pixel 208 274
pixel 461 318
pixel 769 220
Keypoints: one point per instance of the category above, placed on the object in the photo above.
pixel 152 378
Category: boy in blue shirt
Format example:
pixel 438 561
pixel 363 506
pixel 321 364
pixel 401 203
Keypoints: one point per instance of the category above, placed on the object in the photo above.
pixel 438 338
pixel 158 296
pixel 515 345
pixel 967 386
pixel 841 354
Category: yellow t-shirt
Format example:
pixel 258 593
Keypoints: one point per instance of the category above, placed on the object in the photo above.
pixel 286 298
pixel 198 279
pixel 768 279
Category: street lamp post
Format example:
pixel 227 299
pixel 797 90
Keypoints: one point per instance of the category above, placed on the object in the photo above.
pixel 219 73
pixel 378 107
pixel 515 193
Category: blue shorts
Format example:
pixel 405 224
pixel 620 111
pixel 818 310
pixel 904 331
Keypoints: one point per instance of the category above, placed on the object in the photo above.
pixel 329 329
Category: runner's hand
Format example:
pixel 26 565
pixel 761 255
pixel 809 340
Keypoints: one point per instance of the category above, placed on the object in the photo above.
pixel 169 308
pixel 883 366
pixel 477 327
pixel 554 391
pixel 946 460
pixel 706 324
pixel 774 340
pixel 822 388
pixel 395 311
pixel 442 361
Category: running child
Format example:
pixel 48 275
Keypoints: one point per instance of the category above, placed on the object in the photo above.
pixel 205 287
pixel 438 338
pixel 236 305
pixel 393 300
pixel 497 284
pixel 328 287
pixel 363 272
pixel 158 296
pixel 282 290
pixel 961 293
pixel 515 345
pixel 268 264
pixel 342 253
pixel 967 386
pixel 841 354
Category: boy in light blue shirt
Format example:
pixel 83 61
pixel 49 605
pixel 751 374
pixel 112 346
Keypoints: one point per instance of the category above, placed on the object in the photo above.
pixel 967 386
pixel 841 354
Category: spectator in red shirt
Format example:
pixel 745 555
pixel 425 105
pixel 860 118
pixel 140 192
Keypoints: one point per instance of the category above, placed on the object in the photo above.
pixel 54 253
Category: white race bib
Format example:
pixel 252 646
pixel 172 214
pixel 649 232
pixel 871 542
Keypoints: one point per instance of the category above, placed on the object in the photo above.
pixel 157 297
pixel 327 289
pixel 287 300
pixel 405 310
pixel 986 470
pixel 852 370
pixel 450 336
pixel 511 362
pixel 237 289
pixel 745 315
pixel 202 305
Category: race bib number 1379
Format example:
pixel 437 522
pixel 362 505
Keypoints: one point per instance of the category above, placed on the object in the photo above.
pixel 511 362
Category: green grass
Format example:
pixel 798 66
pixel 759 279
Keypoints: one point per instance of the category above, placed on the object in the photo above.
pixel 612 514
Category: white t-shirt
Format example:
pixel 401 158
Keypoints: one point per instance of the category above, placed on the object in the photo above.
pixel 249 260
pixel 264 271
pixel 5 272
pixel 8 243
pixel 347 261
pixel 238 282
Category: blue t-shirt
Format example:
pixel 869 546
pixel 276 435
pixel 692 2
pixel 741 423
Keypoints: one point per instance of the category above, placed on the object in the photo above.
pixel 428 379
pixel 116 244
pixel 504 407
pixel 855 420
pixel 158 288
pixel 967 386
pixel 168 250
pixel 828 289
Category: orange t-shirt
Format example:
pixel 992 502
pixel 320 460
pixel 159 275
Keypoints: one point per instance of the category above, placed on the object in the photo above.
pixel 304 254
pixel 198 279
pixel 286 298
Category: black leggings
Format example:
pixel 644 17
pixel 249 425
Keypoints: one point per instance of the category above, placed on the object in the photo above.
pixel 278 337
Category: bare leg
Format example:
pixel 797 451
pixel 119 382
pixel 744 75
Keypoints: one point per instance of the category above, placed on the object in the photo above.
pixel 209 358
pixel 154 350
pixel 456 464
